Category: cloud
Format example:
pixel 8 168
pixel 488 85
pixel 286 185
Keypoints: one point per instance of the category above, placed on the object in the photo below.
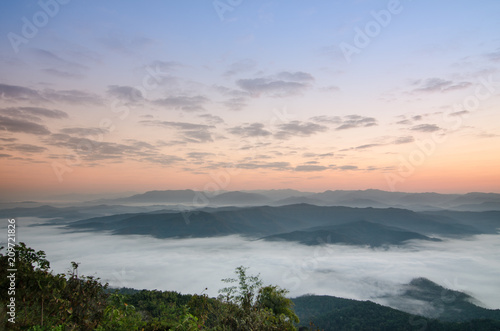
pixel 347 167
pixel 230 92
pixel 269 165
pixel 425 128
pixel 356 121
pixel 33 113
pixel 62 74
pixel 199 155
pixel 236 104
pixel 189 104
pixel 431 85
pixel 344 271
pixel 26 148
pixel 298 76
pixel 317 155
pixel 405 122
pixel 162 67
pixel 327 119
pixel 244 65
pixel 237 99
pixel 127 94
pixel 5 155
pixel 281 85
pixel 55 60
pixel 310 168
pixel 460 113
pixel 91 150
pixel 404 140
pixel 164 159
pixel 19 93
pixel 368 146
pixel 297 128
pixel 331 88
pixel 59 67
pixel 179 125
pixel 83 132
pixel 276 88
pixel 125 44
pixel 250 130
pixel 19 125
pixel 72 97
pixel 494 56
pixel 191 133
pixel 396 141
pixel 212 119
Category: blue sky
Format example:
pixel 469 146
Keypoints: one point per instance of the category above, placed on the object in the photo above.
pixel 180 90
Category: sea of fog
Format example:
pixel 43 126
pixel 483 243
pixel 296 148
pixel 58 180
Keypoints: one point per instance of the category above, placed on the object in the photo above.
pixel 198 265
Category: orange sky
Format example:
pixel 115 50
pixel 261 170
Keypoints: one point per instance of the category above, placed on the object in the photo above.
pixel 118 97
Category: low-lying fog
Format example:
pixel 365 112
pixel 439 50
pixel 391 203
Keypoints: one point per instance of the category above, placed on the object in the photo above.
pixel 191 265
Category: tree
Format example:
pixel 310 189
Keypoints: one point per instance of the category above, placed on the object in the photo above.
pixel 255 307
pixel 51 300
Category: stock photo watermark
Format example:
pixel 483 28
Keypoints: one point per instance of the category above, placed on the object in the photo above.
pixel 363 36
pixel 151 81
pixel 12 270
pixel 222 7
pixel 32 26
pixel 485 89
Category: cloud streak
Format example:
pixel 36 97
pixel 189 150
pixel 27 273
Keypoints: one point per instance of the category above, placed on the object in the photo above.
pixel 191 133
pixel 18 125
pixel 298 129
pixel 432 85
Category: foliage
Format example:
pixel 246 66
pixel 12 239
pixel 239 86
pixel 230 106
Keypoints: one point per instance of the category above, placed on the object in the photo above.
pixel 250 306
pixel 51 300
pixel 331 313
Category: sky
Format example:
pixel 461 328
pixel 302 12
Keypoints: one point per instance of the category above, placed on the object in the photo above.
pixel 129 96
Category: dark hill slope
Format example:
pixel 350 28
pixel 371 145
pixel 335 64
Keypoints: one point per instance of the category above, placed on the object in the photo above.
pixel 265 221
pixel 356 233
pixel 424 297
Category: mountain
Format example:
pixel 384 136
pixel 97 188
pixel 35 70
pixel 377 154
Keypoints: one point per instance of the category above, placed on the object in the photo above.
pixel 355 233
pixel 280 194
pixel 485 221
pixel 72 213
pixel 258 222
pixel 424 297
pixel 351 198
pixel 298 200
pixel 237 198
pixel 162 197
pixel 483 206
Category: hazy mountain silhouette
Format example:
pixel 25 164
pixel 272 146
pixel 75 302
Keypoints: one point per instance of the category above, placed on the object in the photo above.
pixel 389 225
pixel 349 198
pixel 422 305
pixel 355 233
pixel 424 297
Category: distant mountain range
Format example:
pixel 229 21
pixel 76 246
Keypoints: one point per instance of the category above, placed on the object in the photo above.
pixel 424 297
pixel 366 198
pixel 346 217
pixel 303 223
